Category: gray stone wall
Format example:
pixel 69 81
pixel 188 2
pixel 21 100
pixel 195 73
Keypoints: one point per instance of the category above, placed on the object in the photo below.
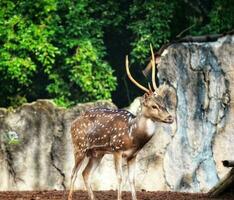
pixel 190 152
pixel 201 77
pixel 41 155
pixel 184 156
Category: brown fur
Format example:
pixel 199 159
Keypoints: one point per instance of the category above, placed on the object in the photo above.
pixel 101 131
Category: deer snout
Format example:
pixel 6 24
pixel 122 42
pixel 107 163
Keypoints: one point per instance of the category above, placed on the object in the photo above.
pixel 169 119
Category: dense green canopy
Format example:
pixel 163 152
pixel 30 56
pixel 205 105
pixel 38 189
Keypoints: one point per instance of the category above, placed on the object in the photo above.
pixel 73 51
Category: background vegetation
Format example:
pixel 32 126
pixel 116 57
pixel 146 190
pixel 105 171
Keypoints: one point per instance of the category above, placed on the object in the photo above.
pixel 73 51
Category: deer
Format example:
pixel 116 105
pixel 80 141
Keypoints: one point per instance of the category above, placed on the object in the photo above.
pixel 101 131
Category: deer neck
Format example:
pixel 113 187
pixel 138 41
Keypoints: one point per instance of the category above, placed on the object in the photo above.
pixel 144 126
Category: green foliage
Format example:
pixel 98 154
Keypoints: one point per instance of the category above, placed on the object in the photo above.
pixel 221 17
pixel 11 138
pixel 16 101
pixel 58 41
pixel 26 46
pixel 85 75
pixel 150 24
pixel 62 49
pixel 89 71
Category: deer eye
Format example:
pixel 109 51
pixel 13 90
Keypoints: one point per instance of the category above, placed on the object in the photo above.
pixel 155 107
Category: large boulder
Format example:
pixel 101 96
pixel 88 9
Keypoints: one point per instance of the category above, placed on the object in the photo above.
pixel 36 151
pixel 187 155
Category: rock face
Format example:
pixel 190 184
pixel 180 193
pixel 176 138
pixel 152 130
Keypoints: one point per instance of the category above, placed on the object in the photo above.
pixel 43 156
pixel 184 156
pixel 202 76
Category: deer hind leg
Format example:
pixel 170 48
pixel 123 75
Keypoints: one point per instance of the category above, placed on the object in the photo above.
pixel 119 172
pixel 131 176
pixel 78 162
pixel 88 172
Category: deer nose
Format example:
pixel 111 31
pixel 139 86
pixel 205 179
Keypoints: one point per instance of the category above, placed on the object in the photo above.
pixel 170 119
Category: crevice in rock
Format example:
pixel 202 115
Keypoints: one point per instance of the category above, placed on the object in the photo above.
pixel 56 145
pixel 11 170
pixel 58 169
pixel 206 82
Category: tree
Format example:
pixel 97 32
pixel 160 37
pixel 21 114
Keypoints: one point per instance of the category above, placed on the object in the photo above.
pixel 52 51
pixel 72 51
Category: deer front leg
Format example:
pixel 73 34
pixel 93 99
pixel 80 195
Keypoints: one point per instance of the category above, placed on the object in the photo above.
pixel 88 171
pixel 118 168
pixel 131 176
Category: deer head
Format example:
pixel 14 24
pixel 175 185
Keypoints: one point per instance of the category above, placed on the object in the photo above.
pixel 154 108
pixel 152 104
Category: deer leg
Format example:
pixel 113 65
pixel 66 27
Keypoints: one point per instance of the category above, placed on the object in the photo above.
pixel 118 168
pixel 88 171
pixel 78 162
pixel 131 176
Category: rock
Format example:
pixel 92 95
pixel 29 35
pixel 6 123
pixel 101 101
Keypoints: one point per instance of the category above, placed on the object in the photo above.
pixel 201 75
pixel 184 156
pixel 187 155
pixel 43 158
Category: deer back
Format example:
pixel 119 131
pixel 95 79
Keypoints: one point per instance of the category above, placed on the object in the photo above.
pixel 104 129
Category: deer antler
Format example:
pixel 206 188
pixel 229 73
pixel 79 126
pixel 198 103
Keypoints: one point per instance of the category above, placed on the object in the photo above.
pixel 132 79
pixel 153 68
pixel 150 89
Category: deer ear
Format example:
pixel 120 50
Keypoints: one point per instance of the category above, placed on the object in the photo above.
pixel 144 98
pixel 146 95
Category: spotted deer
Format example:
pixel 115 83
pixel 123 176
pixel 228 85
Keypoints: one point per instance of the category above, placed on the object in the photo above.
pixel 101 131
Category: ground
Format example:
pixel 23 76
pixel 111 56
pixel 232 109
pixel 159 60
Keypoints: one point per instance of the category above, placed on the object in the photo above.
pixel 107 195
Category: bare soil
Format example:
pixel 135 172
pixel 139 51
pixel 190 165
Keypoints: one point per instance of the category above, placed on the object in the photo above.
pixel 106 195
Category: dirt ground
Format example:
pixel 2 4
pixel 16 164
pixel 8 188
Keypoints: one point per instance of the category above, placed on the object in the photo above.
pixel 106 195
